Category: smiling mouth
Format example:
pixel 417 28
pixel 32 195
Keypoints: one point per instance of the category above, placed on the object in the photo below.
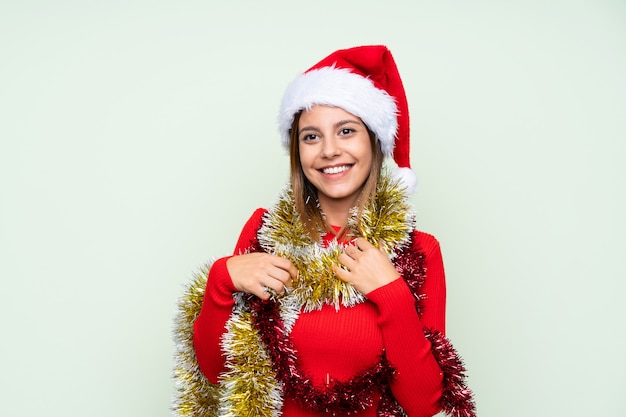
pixel 336 170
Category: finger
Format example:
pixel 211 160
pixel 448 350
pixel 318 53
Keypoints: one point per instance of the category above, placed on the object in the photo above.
pixel 274 285
pixel 343 274
pixel 286 265
pixel 349 251
pixel 363 244
pixel 289 282
pixel 262 292
pixel 293 273
pixel 353 252
pixel 347 260
pixel 280 274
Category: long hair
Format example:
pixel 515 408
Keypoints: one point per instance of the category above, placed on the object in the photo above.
pixel 305 193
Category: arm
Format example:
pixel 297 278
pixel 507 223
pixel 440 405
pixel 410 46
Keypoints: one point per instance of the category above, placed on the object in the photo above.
pixel 418 383
pixel 218 303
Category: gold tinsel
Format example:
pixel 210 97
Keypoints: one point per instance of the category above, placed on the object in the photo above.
pixel 249 383
pixel 195 395
pixel 249 387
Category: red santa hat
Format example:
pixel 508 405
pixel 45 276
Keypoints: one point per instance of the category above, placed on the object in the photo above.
pixel 363 81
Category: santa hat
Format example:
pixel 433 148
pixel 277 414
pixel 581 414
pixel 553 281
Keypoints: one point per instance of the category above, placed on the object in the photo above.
pixel 363 81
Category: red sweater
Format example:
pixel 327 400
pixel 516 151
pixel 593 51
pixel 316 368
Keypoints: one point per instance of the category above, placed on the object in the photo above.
pixel 339 344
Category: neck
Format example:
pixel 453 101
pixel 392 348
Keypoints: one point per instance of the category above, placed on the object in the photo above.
pixel 336 212
pixel 339 219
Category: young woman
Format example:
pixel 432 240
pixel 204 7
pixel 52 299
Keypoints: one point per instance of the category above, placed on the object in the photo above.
pixel 333 303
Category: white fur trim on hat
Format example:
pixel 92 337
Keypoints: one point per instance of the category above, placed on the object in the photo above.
pixel 406 178
pixel 338 87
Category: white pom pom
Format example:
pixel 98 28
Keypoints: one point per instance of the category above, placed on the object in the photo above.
pixel 407 178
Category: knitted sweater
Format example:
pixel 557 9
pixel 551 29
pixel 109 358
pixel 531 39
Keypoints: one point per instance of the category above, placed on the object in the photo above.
pixel 337 344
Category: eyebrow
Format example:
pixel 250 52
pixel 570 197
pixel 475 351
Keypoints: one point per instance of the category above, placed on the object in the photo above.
pixel 347 121
pixel 336 125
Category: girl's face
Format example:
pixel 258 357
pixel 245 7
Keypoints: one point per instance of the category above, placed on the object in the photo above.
pixel 335 154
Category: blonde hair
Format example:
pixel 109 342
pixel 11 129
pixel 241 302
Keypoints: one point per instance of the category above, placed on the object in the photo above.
pixel 305 193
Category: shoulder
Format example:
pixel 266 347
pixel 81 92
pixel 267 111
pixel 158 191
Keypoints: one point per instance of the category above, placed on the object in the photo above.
pixel 425 242
pixel 256 219
pixel 248 236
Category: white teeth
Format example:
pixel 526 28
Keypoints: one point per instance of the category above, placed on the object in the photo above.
pixel 335 170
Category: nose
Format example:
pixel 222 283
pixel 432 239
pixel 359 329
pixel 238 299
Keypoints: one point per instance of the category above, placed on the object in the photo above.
pixel 330 147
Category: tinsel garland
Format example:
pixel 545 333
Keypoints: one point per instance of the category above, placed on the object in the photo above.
pixel 338 397
pixel 388 223
pixel 261 361
pixel 195 396
pixel 457 399
pixel 250 387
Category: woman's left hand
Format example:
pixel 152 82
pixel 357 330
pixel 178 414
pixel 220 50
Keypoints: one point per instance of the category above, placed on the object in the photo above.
pixel 368 267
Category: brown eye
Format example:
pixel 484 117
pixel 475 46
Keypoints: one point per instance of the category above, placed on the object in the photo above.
pixel 308 138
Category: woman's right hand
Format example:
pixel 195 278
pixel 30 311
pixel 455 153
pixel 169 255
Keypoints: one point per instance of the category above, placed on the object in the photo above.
pixel 252 273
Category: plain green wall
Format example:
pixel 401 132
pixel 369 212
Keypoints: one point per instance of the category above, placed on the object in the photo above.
pixel 137 137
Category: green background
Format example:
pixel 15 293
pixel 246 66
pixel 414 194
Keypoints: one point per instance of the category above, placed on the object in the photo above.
pixel 136 137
